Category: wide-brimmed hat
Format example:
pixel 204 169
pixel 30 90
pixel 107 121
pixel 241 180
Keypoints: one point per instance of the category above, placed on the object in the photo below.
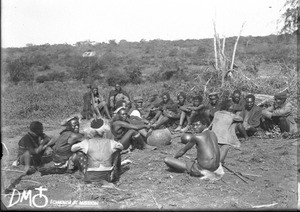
pixel 67 120
pixel 282 95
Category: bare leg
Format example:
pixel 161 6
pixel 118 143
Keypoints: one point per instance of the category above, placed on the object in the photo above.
pixel 161 122
pixel 143 132
pixel 131 135
pixel 223 152
pixel 126 139
pixel 27 158
pixel 242 130
pixel 105 108
pixel 140 141
pixel 160 118
pixel 96 112
pixel 157 115
pixel 283 125
pixel 176 164
pixel 116 162
pixel 190 119
pixel 182 117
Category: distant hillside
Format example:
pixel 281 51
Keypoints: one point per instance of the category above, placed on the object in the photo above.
pixel 135 62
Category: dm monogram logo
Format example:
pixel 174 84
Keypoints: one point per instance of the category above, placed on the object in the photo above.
pixel 27 195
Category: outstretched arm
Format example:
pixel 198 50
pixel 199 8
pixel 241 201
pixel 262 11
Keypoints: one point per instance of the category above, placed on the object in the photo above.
pixel 131 126
pixel 196 108
pixel 188 146
pixel 50 143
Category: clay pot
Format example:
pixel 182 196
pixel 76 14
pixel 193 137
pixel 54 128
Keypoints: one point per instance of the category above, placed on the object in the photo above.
pixel 186 137
pixel 160 137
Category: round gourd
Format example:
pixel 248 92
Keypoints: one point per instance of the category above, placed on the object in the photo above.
pixel 160 137
pixel 186 137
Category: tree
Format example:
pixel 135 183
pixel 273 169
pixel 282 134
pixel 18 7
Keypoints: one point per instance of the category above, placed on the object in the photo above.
pixel 19 69
pixel 290 17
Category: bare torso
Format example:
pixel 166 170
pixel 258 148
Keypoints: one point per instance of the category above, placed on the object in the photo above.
pixel 118 130
pixel 208 153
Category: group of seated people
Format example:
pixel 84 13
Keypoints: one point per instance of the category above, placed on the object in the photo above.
pixel 96 152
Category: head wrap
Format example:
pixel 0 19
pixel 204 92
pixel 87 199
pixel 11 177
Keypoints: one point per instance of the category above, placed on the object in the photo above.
pixel 181 94
pixel 35 126
pixel 281 95
pixel 97 123
pixel 66 121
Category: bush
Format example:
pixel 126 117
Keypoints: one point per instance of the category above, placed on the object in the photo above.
pixel 42 79
pixel 53 76
pixel 19 70
pixel 56 76
pixel 115 76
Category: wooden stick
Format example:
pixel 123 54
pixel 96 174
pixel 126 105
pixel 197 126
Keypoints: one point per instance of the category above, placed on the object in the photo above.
pixel 235 45
pixel 234 173
pixel 215 46
pixel 30 181
pixel 158 205
pixel 10 170
pixel 254 175
pixel 5 147
pixel 264 206
pixel 223 46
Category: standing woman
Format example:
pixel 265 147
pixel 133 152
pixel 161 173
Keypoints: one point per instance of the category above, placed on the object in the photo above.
pixel 223 125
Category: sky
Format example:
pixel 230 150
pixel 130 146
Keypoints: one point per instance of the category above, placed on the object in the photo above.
pixel 69 21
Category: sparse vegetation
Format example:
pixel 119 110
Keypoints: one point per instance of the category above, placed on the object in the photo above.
pixel 182 65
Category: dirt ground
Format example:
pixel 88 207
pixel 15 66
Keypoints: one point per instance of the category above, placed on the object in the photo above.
pixel 147 183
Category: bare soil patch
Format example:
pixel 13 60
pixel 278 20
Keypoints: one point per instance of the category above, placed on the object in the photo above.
pixel 148 183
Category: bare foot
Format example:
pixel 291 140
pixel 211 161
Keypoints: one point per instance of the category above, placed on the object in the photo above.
pixel 148 147
pixel 177 129
pixel 29 170
pixel 185 129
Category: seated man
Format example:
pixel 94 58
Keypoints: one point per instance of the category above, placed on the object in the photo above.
pixel 137 112
pixel 33 147
pixel 115 96
pixel 224 126
pixel 192 111
pixel 127 133
pixel 172 112
pixel 207 164
pixel 161 106
pixel 101 160
pixel 280 113
pixel 94 104
pixel 212 107
pixel 251 115
pixel 238 102
pixel 63 157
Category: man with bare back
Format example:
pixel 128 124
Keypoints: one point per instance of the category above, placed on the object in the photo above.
pixel 207 164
